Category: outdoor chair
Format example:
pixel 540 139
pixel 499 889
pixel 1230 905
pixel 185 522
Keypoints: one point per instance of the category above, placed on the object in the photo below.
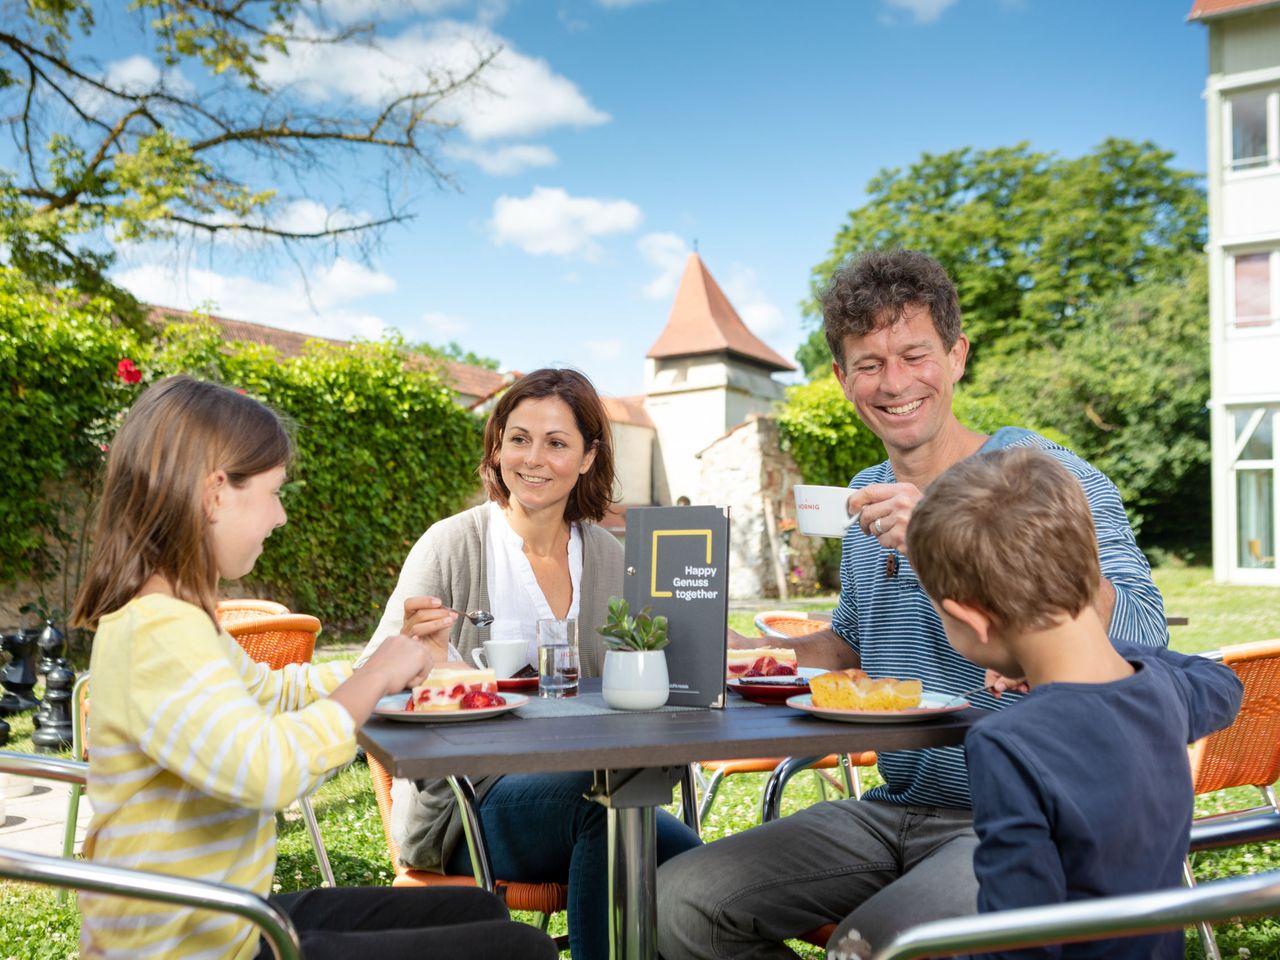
pixel 80 751
pixel 1247 753
pixel 229 611
pixel 542 899
pixel 279 640
pixel 790 623
pixel 142 885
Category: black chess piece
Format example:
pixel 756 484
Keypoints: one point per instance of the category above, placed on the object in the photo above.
pixel 55 730
pixel 19 677
pixel 52 643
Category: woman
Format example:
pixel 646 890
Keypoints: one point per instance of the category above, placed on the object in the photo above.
pixel 533 551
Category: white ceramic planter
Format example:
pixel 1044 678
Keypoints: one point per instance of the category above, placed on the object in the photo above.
pixel 635 680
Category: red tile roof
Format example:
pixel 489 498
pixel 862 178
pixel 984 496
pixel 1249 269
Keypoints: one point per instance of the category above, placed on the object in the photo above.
pixel 627 410
pixel 703 321
pixel 1211 9
pixel 469 381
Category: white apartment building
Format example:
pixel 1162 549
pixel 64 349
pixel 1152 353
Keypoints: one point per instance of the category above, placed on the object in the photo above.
pixel 1242 106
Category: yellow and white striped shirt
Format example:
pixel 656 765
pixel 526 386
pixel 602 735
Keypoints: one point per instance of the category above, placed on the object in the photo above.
pixel 193 747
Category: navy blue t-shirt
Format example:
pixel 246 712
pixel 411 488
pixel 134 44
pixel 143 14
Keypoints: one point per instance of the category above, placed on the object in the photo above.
pixel 1083 790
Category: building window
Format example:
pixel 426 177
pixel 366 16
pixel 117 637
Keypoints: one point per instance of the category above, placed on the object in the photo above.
pixel 1255 470
pixel 1249 130
pixel 1252 302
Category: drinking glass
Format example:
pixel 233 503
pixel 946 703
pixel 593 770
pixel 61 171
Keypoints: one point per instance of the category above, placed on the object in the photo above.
pixel 557 658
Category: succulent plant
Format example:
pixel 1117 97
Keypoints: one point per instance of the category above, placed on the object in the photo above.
pixel 644 631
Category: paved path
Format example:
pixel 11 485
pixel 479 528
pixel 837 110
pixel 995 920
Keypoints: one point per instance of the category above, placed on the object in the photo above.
pixel 35 821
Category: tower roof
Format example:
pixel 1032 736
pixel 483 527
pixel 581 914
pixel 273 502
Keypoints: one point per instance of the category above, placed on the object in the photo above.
pixel 1213 9
pixel 703 321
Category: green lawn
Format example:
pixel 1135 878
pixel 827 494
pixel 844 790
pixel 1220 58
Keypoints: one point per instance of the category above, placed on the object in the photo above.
pixel 34 927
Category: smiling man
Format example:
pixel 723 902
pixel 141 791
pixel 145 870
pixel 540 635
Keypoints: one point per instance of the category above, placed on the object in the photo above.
pixel 903 854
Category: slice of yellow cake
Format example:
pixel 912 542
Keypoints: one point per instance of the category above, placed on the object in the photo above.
pixel 854 690
pixel 445 688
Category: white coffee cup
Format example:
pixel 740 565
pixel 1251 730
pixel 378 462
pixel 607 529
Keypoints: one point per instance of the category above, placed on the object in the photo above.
pixel 503 657
pixel 823 511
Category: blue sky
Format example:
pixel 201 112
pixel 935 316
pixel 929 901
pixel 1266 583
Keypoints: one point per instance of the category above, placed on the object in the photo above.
pixel 620 132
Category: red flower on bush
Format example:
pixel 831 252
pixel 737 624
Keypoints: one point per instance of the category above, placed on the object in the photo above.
pixel 127 371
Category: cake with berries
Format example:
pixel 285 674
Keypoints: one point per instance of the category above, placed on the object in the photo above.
pixel 762 662
pixel 456 689
pixel 854 690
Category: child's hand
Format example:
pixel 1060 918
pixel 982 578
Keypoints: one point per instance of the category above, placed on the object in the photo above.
pixel 999 684
pixel 402 661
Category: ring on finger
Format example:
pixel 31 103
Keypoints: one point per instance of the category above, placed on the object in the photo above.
pixel 879 528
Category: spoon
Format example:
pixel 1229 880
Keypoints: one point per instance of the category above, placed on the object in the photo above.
pixel 481 618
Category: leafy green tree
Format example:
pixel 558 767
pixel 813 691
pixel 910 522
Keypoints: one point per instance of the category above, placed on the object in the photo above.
pixel 189 156
pixel 1127 387
pixel 454 351
pixel 1031 239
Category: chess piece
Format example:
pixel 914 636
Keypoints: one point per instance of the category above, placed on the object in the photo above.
pixel 19 677
pixel 51 643
pixel 55 729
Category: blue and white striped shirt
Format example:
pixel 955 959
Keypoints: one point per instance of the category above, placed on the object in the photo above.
pixel 891 624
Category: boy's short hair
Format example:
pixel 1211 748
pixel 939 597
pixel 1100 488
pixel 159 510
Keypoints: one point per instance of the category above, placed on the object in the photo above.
pixel 1009 532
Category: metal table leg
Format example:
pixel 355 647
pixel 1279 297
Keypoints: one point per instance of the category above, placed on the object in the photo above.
pixel 632 798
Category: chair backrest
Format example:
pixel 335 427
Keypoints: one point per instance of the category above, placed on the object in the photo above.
pixel 231 611
pixel 80 717
pixel 382 793
pixel 1247 753
pixel 277 640
pixel 790 623
pixel 144 885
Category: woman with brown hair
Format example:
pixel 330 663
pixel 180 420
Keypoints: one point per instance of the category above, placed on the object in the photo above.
pixel 534 550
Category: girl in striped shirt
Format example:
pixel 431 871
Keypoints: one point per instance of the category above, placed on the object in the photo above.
pixel 193 747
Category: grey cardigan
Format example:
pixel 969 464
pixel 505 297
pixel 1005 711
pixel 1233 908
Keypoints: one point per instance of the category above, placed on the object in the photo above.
pixel 448 562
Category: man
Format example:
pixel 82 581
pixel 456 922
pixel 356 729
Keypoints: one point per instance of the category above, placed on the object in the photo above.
pixel 903 854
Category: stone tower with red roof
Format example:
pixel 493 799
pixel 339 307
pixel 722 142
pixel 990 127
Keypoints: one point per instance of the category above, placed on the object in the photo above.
pixel 704 375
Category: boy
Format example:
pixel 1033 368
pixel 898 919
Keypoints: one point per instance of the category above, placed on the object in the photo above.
pixel 1081 790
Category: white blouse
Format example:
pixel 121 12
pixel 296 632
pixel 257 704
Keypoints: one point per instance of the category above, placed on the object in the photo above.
pixel 515 599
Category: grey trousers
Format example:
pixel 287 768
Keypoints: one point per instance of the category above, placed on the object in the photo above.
pixel 877 868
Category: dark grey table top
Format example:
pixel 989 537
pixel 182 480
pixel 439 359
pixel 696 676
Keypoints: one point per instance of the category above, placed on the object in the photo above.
pixel 514 744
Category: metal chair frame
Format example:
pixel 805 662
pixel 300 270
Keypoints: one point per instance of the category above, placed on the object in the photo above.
pixel 137 884
pixel 1110 916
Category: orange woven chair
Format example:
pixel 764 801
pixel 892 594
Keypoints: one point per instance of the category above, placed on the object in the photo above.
pixel 279 640
pixel 543 899
pixel 276 640
pixel 1247 753
pixel 790 623
pixel 232 611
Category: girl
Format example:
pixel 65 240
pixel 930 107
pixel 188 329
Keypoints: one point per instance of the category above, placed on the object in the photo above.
pixel 534 550
pixel 193 746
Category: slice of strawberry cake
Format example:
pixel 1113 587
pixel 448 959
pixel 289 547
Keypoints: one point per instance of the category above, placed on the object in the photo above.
pixel 762 662
pixel 456 689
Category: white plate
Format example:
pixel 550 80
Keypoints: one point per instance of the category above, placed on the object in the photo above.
pixel 392 708
pixel 931 705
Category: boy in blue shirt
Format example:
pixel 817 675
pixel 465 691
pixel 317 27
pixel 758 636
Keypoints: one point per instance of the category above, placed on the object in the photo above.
pixel 1083 789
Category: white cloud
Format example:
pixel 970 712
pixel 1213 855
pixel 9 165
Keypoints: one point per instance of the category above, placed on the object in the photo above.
pixel 518 96
pixel 504 161
pixel 350 11
pixel 922 11
pixel 604 349
pixel 668 253
pixel 757 311
pixel 442 326
pixel 549 221
pixel 326 306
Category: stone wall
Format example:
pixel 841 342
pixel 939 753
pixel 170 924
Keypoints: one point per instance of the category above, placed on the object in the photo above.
pixel 748 471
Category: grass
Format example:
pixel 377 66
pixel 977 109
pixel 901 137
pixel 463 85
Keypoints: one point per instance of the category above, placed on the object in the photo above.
pixel 34 927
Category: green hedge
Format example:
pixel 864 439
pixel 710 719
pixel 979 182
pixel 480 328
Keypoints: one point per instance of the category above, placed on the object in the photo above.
pixel 383 449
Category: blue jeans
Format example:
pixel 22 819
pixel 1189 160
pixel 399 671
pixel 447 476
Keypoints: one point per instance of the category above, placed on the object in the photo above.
pixel 540 829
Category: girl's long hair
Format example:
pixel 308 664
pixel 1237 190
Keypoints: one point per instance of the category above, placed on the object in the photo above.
pixel 151 515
